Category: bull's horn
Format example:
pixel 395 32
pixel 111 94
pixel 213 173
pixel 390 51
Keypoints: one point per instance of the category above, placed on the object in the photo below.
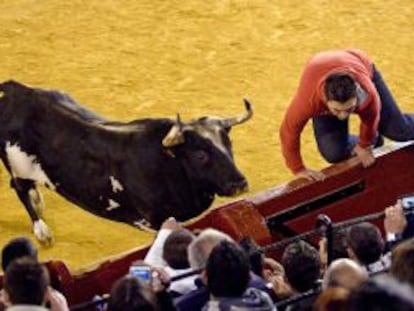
pixel 175 135
pixel 228 123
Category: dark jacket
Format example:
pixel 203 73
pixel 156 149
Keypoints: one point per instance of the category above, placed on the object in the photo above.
pixel 253 299
pixel 197 299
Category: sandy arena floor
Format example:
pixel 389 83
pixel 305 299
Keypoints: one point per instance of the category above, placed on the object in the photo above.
pixel 135 59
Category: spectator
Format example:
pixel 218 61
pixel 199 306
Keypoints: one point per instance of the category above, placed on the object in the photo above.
pixel 198 252
pixel 227 276
pixel 26 287
pixel 382 293
pixel 365 245
pixel 302 266
pixel 344 273
pixel 169 251
pixel 268 269
pixel 402 263
pixel 338 249
pixel 17 248
pixel 132 294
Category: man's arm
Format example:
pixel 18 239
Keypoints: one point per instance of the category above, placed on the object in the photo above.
pixel 295 119
pixel 369 114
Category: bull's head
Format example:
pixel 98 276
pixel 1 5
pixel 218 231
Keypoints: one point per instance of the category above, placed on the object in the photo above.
pixel 204 148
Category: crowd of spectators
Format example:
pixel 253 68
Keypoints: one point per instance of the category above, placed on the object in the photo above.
pixel 370 269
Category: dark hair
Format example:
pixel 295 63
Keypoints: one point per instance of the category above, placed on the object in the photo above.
pixel 254 254
pixel 340 87
pixel 175 249
pixel 228 271
pixel 366 242
pixel 402 262
pixel 131 294
pixel 302 265
pixel 26 281
pixel 339 245
pixel 17 248
pixel 382 293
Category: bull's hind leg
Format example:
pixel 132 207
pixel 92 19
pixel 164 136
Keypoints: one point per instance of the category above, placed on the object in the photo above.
pixel 33 202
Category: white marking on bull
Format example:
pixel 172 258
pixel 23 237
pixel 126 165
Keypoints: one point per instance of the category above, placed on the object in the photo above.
pixel 42 232
pixel 116 185
pixel 144 225
pixel 214 136
pixel 112 205
pixel 26 166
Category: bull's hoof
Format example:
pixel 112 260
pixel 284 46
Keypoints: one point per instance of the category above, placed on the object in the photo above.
pixel 42 233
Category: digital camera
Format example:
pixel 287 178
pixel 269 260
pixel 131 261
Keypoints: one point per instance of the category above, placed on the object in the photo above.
pixel 143 273
pixel 407 201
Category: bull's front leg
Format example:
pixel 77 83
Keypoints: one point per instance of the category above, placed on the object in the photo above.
pixel 33 202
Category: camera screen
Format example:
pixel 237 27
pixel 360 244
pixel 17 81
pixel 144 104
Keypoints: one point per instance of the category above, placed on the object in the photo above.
pixel 407 202
pixel 141 272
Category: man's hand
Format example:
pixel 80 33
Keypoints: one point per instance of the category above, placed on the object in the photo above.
pixel 365 155
pixel 171 224
pixel 395 221
pixel 310 174
pixel 57 301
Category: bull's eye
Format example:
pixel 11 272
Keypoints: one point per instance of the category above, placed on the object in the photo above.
pixel 200 156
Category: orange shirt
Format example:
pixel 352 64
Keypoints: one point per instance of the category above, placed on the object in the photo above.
pixel 309 100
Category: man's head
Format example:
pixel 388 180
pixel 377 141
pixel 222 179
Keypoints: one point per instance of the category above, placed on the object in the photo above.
pixel 228 271
pixel 200 248
pixel 17 248
pixel 131 294
pixel 340 92
pixel 382 293
pixel 365 243
pixel 344 273
pixel 26 282
pixel 402 263
pixel 302 265
pixel 175 248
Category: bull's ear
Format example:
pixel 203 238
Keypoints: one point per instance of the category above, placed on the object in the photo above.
pixel 175 136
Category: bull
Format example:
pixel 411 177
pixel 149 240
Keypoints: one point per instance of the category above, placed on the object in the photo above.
pixel 139 172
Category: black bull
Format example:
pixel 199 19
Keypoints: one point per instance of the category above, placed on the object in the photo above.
pixel 136 172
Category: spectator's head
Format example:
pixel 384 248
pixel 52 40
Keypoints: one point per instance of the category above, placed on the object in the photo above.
pixel 131 294
pixel 344 273
pixel 365 243
pixel 339 245
pixel 17 248
pixel 332 299
pixel 175 249
pixel 26 282
pixel 228 271
pixel 340 92
pixel 254 254
pixel 402 263
pixel 338 248
pixel 382 293
pixel 200 248
pixel 302 265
